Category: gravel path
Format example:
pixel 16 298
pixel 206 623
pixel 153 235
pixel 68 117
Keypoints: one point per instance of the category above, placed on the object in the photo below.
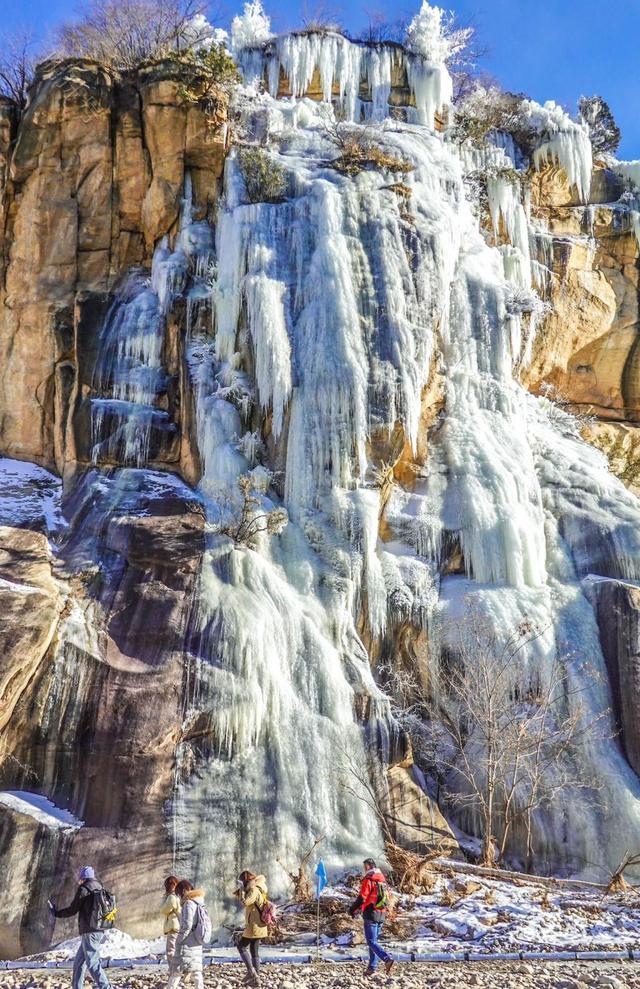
pixel 326 975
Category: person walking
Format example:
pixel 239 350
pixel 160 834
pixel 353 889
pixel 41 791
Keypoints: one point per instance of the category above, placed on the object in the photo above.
pixel 372 902
pixel 252 892
pixel 91 935
pixel 170 910
pixel 187 957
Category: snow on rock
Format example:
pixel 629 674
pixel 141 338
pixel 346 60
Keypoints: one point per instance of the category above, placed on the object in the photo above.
pixel 41 809
pixel 29 496
pixel 629 171
pixel 561 141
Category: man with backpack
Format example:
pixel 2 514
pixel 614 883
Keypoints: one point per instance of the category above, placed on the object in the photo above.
pixel 373 901
pixel 96 909
pixel 194 933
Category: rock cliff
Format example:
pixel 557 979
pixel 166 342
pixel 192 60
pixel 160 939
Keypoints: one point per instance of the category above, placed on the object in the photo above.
pixel 353 347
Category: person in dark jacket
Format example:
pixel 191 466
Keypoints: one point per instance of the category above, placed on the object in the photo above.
pixel 88 956
pixel 373 913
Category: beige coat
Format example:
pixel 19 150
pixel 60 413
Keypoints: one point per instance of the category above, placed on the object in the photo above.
pixel 170 910
pixel 254 896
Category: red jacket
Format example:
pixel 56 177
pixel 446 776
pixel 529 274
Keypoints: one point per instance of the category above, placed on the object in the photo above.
pixel 368 895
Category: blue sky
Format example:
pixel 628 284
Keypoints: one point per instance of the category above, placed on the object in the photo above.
pixel 550 49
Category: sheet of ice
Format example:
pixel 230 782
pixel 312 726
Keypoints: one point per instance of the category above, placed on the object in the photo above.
pixel 41 809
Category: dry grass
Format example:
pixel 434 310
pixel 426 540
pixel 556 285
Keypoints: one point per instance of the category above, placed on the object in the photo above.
pixel 411 873
pixel 359 154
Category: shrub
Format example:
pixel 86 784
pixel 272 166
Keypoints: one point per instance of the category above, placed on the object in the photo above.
pixel 359 153
pixel 253 518
pixel 603 130
pixel 358 148
pixel 264 179
pixel 486 109
pixel 123 33
pixel 205 71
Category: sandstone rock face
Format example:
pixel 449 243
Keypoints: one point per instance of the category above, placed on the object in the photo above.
pixel 92 686
pixel 94 180
pixel 418 822
pixel 586 348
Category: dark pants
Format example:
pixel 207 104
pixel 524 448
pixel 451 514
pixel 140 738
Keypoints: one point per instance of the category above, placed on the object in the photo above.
pixel 372 933
pixel 249 948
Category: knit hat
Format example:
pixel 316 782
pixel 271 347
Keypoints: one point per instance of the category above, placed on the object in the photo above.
pixel 86 872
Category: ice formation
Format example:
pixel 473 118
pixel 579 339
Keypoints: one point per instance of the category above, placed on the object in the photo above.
pixel 561 141
pixel 250 28
pixel 341 65
pixel 324 312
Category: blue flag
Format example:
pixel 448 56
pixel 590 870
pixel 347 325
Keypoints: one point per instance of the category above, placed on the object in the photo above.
pixel 321 873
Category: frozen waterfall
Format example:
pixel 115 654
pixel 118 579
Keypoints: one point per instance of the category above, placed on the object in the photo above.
pixel 314 325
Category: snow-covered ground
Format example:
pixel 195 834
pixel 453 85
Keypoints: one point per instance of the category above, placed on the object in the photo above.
pixel 40 809
pixel 461 913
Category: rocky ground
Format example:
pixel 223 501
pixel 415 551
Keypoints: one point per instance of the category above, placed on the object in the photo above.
pixel 327 975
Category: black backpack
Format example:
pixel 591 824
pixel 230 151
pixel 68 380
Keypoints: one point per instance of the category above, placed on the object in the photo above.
pixel 103 909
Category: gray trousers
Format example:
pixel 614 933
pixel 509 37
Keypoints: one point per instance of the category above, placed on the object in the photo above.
pixel 88 960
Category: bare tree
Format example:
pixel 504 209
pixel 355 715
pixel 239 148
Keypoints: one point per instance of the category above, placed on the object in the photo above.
pixel 303 890
pixel 17 65
pixel 412 871
pixel 123 33
pixel 513 738
pixel 244 522
pixel 618 883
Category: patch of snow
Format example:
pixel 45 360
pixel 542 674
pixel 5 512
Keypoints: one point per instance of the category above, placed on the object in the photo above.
pixel 29 496
pixel 117 944
pixel 41 809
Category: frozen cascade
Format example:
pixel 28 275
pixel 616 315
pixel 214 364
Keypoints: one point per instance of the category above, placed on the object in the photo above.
pixel 129 375
pixel 332 299
pixel 336 366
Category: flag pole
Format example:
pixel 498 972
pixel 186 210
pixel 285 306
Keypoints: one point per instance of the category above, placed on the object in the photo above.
pixel 321 875
pixel 318 923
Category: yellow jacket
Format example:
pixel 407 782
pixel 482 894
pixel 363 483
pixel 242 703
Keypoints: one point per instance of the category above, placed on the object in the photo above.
pixel 170 910
pixel 254 897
